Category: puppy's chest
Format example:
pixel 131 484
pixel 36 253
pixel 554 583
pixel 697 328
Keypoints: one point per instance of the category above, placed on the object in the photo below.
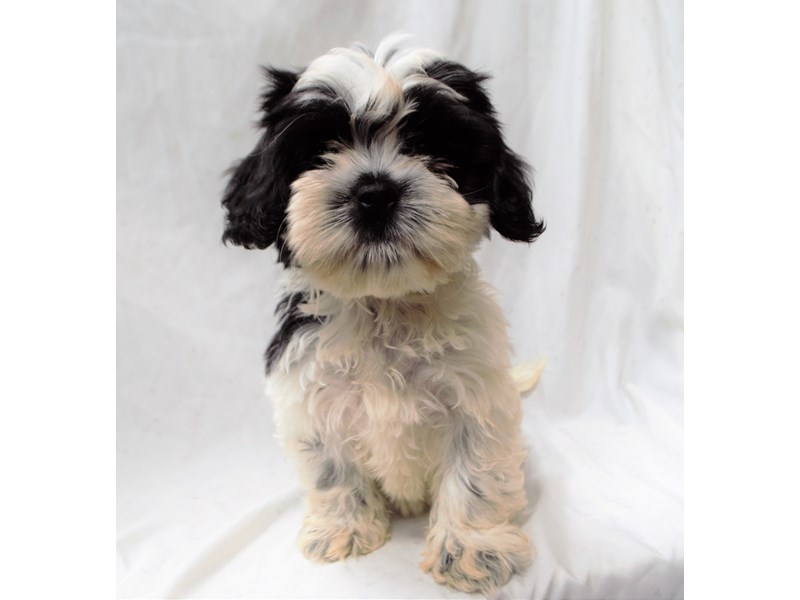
pixel 394 369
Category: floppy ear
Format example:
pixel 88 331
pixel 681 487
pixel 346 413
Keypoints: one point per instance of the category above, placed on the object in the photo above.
pixel 510 208
pixel 252 201
pixel 257 193
pixel 510 190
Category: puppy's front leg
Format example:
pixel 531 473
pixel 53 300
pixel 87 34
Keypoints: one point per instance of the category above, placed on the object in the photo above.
pixel 346 512
pixel 473 544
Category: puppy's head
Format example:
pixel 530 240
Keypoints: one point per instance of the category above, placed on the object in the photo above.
pixel 377 174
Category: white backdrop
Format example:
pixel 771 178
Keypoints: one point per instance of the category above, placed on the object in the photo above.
pixel 592 95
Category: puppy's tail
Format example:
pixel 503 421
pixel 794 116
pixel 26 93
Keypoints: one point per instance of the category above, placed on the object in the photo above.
pixel 526 375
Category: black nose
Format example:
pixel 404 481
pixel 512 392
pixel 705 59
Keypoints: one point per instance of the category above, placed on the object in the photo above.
pixel 376 194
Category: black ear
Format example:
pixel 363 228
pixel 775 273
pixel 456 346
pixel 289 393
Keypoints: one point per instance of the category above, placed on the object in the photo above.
pixel 253 201
pixel 257 193
pixel 510 208
pixel 279 84
pixel 510 190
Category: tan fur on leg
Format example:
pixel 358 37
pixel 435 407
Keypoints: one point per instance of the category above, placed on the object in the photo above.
pixel 342 522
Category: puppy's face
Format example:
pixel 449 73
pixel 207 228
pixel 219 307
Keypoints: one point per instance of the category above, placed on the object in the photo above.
pixel 378 174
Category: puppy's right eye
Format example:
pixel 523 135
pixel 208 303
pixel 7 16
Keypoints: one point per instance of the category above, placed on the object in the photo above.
pixel 303 138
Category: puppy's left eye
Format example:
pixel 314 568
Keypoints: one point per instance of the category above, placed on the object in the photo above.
pixel 449 132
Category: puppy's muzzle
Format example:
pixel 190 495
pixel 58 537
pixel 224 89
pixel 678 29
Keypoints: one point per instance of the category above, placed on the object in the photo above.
pixel 375 199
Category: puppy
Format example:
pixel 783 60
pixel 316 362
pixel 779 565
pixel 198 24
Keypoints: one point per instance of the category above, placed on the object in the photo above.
pixel 376 177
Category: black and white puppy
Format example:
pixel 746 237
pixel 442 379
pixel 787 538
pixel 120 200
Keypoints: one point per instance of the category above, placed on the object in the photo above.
pixel 376 177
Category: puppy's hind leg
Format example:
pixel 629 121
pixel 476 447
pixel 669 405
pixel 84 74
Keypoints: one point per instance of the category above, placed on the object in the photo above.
pixel 346 513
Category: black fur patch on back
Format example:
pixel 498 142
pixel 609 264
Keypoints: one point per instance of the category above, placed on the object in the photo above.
pixel 292 320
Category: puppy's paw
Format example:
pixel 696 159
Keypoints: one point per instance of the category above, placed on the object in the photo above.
pixel 409 508
pixel 480 560
pixel 331 540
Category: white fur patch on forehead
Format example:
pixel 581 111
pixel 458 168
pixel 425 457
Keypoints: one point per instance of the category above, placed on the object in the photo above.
pixel 365 81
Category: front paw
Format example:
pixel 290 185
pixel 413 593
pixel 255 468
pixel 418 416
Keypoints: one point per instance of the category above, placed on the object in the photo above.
pixel 330 540
pixel 480 560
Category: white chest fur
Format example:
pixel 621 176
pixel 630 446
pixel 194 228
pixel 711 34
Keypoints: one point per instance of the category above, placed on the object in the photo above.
pixel 401 361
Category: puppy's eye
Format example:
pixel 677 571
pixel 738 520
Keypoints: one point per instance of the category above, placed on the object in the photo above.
pixel 448 131
pixel 303 138
pixel 456 143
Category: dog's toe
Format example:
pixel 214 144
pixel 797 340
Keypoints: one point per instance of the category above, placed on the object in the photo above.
pixel 330 542
pixel 477 561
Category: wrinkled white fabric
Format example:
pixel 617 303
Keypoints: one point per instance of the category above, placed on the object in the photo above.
pixel 591 94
